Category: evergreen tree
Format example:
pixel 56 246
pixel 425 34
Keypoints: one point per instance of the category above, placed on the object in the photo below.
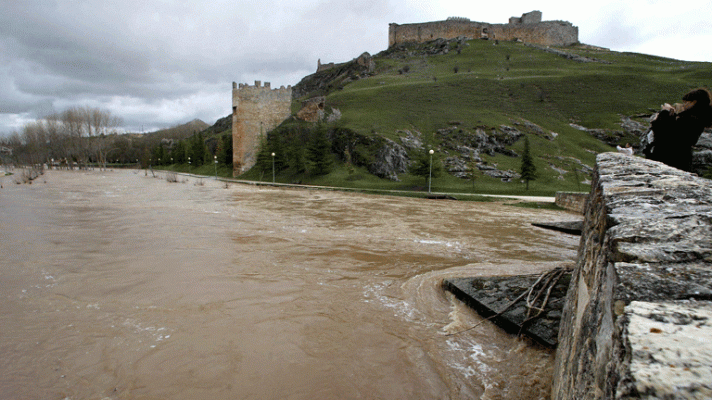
pixel 196 149
pixel 207 155
pixel 263 161
pixel 319 152
pixel 159 155
pixel 423 166
pixel 527 170
pixel 294 148
pixel 224 151
pixel 178 152
pixel 296 158
pixel 472 173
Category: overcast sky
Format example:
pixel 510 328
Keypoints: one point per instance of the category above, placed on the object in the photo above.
pixel 159 63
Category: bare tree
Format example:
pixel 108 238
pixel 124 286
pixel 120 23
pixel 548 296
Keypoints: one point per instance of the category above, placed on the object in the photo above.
pixel 74 135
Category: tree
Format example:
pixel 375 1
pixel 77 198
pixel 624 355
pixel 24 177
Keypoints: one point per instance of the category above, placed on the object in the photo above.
pixel 225 150
pixel 319 152
pixel 178 153
pixel 263 159
pixel 196 149
pixel 527 170
pixel 425 167
pixel 76 134
pixel 472 172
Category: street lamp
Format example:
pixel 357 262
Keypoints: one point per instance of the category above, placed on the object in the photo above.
pixel 216 166
pixel 430 175
pixel 272 167
pixel 188 164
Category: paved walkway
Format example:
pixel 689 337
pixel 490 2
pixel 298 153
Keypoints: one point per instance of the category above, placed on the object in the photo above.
pixel 535 199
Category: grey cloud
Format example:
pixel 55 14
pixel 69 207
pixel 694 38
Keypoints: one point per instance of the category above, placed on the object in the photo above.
pixel 174 60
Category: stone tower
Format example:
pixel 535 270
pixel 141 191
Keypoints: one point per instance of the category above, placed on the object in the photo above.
pixel 255 111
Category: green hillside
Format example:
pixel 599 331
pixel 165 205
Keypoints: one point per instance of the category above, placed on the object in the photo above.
pixel 484 85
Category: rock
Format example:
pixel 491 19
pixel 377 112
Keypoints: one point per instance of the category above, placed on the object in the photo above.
pixel 462 146
pixel 705 141
pixel 312 109
pixel 535 129
pixel 330 79
pixel 390 160
pixel 701 161
pixel 495 173
pixel 411 141
pixel 633 127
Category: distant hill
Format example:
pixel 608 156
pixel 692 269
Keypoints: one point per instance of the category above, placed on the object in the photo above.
pixel 221 126
pixel 180 131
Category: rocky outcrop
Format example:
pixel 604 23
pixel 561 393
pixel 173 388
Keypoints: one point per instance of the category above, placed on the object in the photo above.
pixel 312 109
pixel 462 147
pixel 702 154
pixel 568 55
pixel 638 311
pixel 327 80
pixel 432 48
pixel 390 160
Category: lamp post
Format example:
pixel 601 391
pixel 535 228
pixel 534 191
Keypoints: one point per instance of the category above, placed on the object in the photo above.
pixel 215 157
pixel 188 165
pixel 430 174
pixel 272 167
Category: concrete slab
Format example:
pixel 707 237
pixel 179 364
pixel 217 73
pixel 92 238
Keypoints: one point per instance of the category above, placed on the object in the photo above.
pixel 570 227
pixel 492 297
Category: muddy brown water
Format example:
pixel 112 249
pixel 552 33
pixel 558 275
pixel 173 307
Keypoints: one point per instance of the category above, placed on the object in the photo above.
pixel 117 285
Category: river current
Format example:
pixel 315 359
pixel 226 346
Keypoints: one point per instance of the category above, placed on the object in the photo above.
pixel 119 285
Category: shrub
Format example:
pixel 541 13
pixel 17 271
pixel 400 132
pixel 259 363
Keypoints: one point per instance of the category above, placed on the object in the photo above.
pixel 171 177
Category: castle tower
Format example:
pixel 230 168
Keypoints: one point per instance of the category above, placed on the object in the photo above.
pixel 255 111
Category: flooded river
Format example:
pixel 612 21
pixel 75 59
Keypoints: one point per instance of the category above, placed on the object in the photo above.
pixel 117 285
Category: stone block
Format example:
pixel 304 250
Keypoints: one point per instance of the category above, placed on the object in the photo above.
pixel 665 351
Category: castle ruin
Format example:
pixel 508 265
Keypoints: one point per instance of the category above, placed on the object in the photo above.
pixel 528 28
pixel 255 111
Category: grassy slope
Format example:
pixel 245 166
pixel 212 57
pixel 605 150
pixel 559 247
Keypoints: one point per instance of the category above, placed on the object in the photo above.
pixel 501 84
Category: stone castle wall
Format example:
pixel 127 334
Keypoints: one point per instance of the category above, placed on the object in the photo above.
pixel 638 315
pixel 255 111
pixel 529 28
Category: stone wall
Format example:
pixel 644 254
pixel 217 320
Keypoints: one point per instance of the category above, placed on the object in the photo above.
pixel 638 316
pixel 255 111
pixel 529 28
pixel 572 201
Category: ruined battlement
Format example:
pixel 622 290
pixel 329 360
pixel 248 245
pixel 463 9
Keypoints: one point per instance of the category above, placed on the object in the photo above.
pixel 528 28
pixel 258 85
pixel 255 111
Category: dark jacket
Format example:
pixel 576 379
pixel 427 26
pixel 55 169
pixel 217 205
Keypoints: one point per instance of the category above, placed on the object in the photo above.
pixel 675 134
